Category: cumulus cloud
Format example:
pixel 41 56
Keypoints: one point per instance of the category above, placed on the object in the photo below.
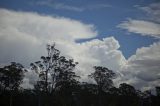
pixel 26 33
pixel 147 59
pixel 23 36
pixel 149 27
pixel 142 69
pixel 100 53
pixel 106 51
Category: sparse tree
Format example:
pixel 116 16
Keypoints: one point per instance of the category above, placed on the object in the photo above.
pixel 53 70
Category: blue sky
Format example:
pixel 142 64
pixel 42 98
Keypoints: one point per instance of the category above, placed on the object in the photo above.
pixel 104 14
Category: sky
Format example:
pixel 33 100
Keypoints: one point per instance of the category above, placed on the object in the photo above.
pixel 121 35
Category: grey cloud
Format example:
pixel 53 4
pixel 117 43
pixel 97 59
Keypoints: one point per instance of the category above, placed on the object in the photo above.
pixel 153 10
pixel 144 65
pixel 148 63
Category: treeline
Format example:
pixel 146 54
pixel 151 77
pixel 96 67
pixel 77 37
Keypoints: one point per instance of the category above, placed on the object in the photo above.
pixel 58 85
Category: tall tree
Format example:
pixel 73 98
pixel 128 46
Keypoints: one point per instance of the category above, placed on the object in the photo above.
pixel 44 67
pixel 53 70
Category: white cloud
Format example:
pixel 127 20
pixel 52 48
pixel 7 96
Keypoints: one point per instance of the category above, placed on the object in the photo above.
pixel 145 28
pixel 100 53
pixel 142 69
pixel 150 26
pixel 26 33
pixel 106 51
pixel 23 36
pixel 30 79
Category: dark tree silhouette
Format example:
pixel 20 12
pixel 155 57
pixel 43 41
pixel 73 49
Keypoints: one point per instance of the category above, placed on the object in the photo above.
pixel 127 90
pixel 88 94
pixel 103 77
pixel 58 86
pixel 54 70
pixel 46 68
pixel 158 91
pixel 11 77
pixel 156 100
pixel 128 95
pixel 56 74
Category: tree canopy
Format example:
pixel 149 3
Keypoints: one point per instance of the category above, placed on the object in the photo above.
pixel 11 76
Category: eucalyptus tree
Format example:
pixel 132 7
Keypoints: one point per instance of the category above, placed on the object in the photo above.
pixel 54 70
